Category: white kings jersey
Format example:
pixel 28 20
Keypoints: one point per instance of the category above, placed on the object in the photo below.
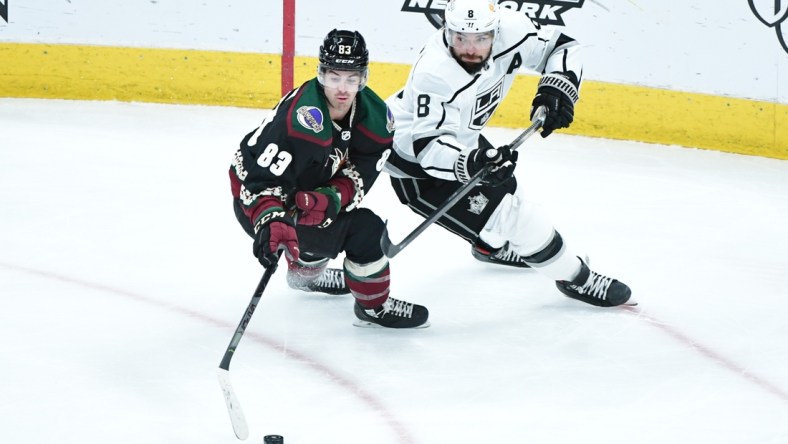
pixel 442 108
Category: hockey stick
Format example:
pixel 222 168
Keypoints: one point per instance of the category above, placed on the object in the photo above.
pixel 391 249
pixel 240 427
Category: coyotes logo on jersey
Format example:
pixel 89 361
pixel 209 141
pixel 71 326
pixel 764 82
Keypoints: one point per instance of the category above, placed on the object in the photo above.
pixel 337 160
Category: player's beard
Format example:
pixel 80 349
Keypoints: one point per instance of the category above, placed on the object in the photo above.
pixel 470 67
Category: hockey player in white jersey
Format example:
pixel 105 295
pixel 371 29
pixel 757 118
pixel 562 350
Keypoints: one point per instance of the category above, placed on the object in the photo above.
pixel 460 77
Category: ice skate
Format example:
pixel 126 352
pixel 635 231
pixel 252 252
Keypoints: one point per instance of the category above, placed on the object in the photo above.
pixel 330 281
pixel 596 289
pixel 392 314
pixel 500 256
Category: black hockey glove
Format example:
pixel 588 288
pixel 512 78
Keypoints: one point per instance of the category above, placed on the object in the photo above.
pixel 558 94
pixel 275 230
pixel 501 160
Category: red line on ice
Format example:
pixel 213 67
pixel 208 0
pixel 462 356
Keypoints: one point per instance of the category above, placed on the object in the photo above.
pixel 402 433
pixel 710 354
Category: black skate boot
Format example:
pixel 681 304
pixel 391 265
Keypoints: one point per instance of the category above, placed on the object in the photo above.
pixel 501 256
pixel 392 314
pixel 595 289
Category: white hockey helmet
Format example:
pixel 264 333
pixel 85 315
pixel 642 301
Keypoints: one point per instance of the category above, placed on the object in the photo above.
pixel 472 16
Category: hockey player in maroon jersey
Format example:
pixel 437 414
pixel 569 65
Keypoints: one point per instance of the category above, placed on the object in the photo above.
pixel 297 181
pixel 460 78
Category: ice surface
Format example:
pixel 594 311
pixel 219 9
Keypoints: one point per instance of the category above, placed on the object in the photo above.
pixel 123 275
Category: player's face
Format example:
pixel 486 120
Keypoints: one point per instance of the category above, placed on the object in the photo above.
pixel 341 87
pixel 471 49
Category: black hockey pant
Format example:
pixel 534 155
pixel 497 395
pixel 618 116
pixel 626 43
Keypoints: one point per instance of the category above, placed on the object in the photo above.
pixel 467 217
pixel 357 233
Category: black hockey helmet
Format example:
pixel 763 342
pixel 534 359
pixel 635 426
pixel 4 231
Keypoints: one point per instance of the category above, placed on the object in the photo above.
pixel 345 51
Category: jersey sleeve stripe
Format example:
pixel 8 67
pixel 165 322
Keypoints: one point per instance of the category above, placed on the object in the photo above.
pixel 459 91
pixel 449 145
pixel 421 144
pixel 376 138
pixel 444 170
pixel 516 45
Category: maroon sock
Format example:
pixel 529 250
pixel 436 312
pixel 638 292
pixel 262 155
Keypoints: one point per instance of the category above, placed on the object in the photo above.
pixel 369 291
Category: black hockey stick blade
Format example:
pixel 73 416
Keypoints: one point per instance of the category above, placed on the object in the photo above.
pixel 391 249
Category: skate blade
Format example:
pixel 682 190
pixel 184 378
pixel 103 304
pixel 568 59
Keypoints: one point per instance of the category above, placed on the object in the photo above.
pixel 367 324
pixel 630 303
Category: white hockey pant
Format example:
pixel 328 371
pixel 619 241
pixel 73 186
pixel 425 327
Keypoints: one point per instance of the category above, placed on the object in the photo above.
pixel 529 231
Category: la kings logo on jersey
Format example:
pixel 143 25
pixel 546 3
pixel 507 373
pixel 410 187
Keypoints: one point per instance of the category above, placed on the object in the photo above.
pixel 545 12
pixel 486 103
pixel 478 203
pixel 772 13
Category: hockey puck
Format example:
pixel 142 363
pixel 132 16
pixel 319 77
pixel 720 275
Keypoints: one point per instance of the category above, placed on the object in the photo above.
pixel 273 439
